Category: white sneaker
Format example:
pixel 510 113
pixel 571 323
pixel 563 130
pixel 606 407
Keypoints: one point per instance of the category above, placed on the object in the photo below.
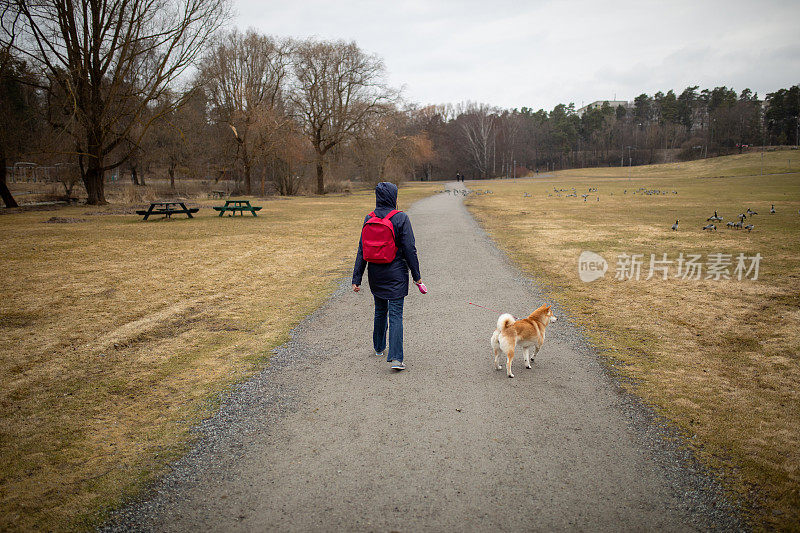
pixel 398 365
pixel 379 354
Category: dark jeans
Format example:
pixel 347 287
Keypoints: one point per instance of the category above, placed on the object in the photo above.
pixel 394 310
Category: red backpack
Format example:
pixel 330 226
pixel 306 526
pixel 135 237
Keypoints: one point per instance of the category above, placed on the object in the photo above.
pixel 377 239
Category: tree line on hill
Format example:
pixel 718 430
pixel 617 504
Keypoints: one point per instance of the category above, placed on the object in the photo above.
pixel 142 88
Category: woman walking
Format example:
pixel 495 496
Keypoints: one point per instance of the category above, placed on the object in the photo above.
pixel 387 264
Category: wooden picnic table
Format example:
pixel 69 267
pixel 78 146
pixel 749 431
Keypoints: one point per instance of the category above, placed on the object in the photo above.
pixel 167 209
pixel 237 205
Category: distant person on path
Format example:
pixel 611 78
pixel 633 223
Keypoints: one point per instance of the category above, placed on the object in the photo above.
pixel 388 281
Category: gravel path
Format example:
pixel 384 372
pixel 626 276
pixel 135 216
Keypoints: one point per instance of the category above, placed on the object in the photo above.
pixel 329 438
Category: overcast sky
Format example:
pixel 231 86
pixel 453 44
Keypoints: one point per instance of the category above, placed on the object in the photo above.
pixel 541 53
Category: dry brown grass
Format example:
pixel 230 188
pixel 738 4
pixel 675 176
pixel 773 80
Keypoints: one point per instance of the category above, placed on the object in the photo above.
pixel 747 164
pixel 118 333
pixel 720 358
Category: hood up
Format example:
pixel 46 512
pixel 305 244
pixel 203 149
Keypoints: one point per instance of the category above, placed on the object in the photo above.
pixel 386 195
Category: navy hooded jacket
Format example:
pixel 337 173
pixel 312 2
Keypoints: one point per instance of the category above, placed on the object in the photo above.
pixel 390 280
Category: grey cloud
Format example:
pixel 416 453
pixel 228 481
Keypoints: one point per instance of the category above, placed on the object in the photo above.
pixel 537 54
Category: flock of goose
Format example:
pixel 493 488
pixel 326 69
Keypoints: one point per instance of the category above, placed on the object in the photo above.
pixel 650 192
pixel 573 194
pixel 641 190
pixel 731 224
pixel 465 192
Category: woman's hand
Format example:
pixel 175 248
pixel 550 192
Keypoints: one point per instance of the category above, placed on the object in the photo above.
pixel 356 288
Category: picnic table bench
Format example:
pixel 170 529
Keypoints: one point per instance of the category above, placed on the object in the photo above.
pixel 237 205
pixel 168 209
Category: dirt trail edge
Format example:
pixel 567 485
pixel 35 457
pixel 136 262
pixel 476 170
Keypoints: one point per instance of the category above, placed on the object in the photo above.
pixel 329 438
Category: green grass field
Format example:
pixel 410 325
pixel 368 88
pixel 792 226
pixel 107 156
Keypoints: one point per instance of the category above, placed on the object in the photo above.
pixel 118 335
pixel 721 358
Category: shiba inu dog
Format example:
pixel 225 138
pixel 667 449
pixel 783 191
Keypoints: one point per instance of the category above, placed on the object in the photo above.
pixel 523 333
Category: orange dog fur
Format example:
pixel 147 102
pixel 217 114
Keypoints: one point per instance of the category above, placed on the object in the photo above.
pixel 525 333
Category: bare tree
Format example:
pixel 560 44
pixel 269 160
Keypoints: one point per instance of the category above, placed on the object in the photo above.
pixel 245 75
pixel 166 142
pixel 286 158
pixel 338 90
pixel 179 138
pixel 478 128
pixel 507 127
pixel 11 122
pixel 391 147
pixel 113 58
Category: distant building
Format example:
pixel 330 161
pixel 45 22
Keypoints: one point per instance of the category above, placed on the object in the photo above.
pixel 599 103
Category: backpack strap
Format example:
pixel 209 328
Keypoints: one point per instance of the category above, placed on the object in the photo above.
pixel 389 215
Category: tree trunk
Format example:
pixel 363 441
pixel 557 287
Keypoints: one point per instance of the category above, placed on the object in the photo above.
pixel 93 180
pixel 382 170
pixel 247 179
pixel 171 171
pixel 4 192
pixel 280 183
pixel 320 176
pixel 133 176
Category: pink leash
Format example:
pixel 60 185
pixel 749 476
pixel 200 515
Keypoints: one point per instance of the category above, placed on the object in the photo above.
pixel 488 308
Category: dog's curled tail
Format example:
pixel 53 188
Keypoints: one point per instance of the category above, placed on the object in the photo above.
pixel 504 321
